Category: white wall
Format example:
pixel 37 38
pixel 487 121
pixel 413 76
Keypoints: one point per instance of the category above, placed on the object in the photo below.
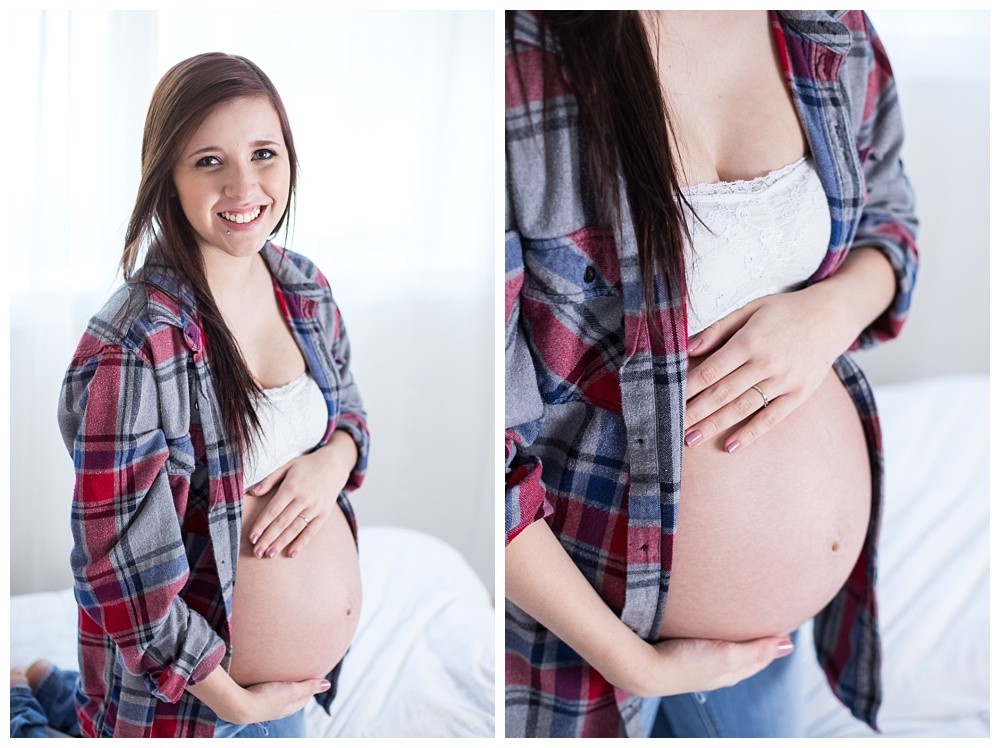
pixel 393 115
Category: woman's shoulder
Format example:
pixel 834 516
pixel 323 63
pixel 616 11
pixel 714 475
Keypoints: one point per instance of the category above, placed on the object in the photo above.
pixel 139 319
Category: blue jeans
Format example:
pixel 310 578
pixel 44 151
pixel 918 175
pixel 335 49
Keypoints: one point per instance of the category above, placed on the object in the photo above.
pixel 292 726
pixel 52 706
pixel 768 704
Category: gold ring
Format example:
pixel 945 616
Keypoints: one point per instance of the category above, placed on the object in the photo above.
pixel 766 401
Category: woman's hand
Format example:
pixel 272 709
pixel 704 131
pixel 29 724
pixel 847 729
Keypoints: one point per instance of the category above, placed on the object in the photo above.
pixel 307 490
pixel 256 703
pixel 675 666
pixel 276 700
pixel 762 361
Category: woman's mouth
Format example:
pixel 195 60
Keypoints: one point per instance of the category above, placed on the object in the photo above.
pixel 245 217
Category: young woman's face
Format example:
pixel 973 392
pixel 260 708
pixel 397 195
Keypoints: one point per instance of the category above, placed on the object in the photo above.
pixel 232 178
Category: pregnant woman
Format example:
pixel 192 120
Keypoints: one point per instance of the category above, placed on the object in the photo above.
pixel 215 429
pixel 705 210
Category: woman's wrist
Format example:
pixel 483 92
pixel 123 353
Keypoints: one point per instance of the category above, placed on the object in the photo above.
pixel 856 294
pixel 342 453
pixel 224 696
pixel 629 665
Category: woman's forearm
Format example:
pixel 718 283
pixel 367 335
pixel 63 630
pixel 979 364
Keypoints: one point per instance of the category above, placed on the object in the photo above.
pixel 224 696
pixel 543 581
pixel 860 291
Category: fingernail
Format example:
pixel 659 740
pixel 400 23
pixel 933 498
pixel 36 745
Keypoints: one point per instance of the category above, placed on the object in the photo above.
pixel 294 553
pixel 324 686
pixel 253 538
pixel 785 647
pixel 254 487
pixel 270 553
pixel 259 552
pixel 693 344
pixel 734 446
pixel 693 438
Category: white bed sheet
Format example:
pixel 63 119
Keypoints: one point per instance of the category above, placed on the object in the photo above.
pixel 933 584
pixel 421 664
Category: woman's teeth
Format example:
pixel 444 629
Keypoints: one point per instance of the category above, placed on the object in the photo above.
pixel 241 217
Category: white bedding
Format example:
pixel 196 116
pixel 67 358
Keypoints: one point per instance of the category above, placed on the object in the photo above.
pixel 421 664
pixel 933 585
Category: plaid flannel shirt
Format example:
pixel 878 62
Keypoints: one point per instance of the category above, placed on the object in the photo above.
pixel 158 498
pixel 595 402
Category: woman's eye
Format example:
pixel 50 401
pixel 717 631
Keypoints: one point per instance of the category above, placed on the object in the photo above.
pixel 208 161
pixel 262 154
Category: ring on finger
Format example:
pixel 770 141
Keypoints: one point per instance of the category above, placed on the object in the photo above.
pixel 759 392
pixel 304 519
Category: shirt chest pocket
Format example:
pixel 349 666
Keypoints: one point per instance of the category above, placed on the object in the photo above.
pixel 572 268
pixel 571 309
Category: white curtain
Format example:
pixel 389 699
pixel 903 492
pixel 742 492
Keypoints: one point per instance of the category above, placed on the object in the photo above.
pixel 393 115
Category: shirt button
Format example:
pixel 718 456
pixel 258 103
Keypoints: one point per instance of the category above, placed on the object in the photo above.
pixel 589 274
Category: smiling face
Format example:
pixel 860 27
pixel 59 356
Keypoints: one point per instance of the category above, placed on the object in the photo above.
pixel 232 178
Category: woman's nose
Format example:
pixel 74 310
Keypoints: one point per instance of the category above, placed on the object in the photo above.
pixel 240 181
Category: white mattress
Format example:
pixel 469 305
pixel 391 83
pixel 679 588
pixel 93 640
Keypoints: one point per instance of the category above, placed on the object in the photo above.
pixel 421 665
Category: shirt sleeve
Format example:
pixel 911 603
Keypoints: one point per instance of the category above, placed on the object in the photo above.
pixel 128 559
pixel 888 222
pixel 525 494
pixel 353 419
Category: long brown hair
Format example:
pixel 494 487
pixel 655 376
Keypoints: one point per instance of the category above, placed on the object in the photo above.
pixel 607 60
pixel 185 96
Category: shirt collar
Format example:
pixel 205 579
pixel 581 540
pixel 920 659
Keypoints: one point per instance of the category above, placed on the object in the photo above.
pixel 284 269
pixel 822 27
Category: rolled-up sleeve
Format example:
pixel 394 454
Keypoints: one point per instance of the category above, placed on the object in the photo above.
pixel 888 222
pixel 128 559
pixel 524 491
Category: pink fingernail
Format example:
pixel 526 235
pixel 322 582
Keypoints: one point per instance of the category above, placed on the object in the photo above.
pixel 270 553
pixel 324 686
pixel 253 538
pixel 734 446
pixel 785 647
pixel 693 344
pixel 259 553
pixel 693 438
pixel 254 487
pixel 294 553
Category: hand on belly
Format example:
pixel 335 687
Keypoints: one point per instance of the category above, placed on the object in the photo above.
pixel 294 618
pixel 768 535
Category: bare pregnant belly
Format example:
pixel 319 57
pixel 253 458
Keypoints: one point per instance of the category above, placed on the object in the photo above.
pixel 294 618
pixel 768 535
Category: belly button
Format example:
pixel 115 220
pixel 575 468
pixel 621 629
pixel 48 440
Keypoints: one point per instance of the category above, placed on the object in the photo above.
pixel 349 610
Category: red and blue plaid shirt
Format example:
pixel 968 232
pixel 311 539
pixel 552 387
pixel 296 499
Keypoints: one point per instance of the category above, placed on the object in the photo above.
pixel 159 484
pixel 595 400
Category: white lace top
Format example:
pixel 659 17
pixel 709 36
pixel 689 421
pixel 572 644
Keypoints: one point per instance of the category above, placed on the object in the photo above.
pixel 767 235
pixel 293 419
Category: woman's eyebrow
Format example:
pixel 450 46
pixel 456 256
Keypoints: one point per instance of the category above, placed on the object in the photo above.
pixel 215 148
